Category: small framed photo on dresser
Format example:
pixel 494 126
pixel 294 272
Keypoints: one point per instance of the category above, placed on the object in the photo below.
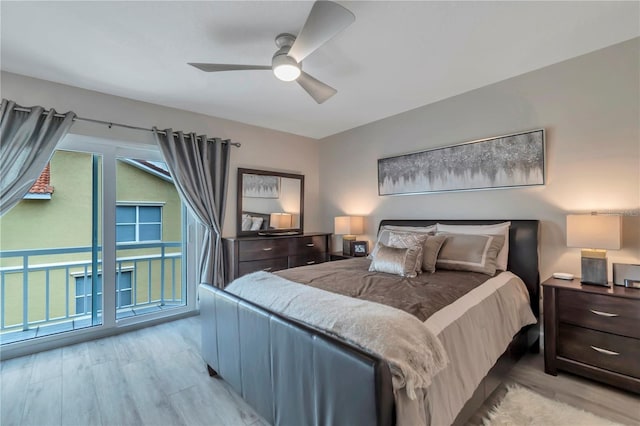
pixel 359 248
pixel 626 274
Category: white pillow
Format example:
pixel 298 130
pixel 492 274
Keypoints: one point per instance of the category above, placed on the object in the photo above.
pixel 383 235
pixel 496 229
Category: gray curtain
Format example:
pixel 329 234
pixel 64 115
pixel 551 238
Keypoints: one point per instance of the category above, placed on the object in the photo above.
pixel 27 142
pixel 200 171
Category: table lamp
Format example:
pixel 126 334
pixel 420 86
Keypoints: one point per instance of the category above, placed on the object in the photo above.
pixel 280 220
pixel 348 227
pixel 594 234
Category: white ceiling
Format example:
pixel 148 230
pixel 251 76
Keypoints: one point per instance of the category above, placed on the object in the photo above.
pixel 395 57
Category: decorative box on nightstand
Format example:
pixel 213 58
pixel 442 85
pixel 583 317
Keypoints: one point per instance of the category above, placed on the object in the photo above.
pixel 592 331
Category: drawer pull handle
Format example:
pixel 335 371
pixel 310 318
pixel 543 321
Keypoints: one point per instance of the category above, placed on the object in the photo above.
pixel 311 262
pixel 267 248
pixel 310 245
pixel 603 314
pixel 604 351
pixel 267 269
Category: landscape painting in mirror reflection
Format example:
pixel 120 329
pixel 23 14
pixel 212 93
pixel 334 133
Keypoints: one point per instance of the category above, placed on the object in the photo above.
pixel 260 186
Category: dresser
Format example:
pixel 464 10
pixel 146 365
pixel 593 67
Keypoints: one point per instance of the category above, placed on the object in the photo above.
pixel 249 254
pixel 592 331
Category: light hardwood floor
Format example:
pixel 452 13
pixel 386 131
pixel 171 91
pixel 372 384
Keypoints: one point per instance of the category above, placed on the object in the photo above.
pixel 602 400
pixel 155 376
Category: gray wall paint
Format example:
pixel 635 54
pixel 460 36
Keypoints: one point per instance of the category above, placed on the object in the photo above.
pixel 589 107
pixel 261 148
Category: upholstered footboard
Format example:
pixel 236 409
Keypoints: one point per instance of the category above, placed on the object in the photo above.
pixel 293 375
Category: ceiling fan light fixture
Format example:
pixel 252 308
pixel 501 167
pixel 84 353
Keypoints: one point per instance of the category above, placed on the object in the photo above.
pixel 285 68
pixel 325 20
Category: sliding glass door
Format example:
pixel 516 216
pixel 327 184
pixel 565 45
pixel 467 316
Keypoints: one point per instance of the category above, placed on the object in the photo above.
pixel 100 240
pixel 149 266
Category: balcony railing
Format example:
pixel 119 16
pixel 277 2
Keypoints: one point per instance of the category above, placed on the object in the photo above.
pixel 40 287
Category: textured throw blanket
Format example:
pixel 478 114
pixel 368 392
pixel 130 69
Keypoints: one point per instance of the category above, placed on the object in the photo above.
pixel 414 354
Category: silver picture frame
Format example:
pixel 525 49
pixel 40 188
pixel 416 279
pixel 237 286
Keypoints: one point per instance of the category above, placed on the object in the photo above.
pixel 626 274
pixel 498 162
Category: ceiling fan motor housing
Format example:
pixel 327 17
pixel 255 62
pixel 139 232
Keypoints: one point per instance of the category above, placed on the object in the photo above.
pixel 285 40
pixel 284 66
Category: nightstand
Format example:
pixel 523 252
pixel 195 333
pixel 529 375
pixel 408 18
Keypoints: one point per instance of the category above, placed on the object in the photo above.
pixel 337 255
pixel 592 331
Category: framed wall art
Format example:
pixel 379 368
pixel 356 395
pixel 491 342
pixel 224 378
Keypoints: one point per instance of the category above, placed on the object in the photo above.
pixel 498 162
pixel 261 186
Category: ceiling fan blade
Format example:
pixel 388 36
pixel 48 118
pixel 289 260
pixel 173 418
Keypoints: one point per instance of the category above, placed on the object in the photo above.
pixel 227 67
pixel 319 91
pixel 325 20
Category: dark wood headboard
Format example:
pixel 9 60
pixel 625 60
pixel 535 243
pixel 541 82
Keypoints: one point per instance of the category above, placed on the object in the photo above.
pixel 523 248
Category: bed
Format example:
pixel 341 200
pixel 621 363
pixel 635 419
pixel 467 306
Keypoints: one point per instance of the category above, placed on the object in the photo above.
pixel 294 373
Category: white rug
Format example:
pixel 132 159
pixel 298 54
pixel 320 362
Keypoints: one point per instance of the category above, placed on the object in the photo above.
pixel 521 407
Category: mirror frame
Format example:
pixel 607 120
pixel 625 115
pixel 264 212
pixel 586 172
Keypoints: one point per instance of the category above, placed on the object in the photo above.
pixel 241 173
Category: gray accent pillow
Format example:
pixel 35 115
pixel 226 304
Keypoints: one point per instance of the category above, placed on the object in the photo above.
pixel 474 253
pixel 246 222
pixel 408 240
pixel 430 252
pixel 256 223
pixel 383 235
pixel 497 229
pixel 397 261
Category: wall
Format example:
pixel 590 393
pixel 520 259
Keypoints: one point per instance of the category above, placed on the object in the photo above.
pixel 261 148
pixel 589 107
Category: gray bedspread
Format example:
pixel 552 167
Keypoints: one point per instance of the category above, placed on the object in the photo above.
pixel 421 296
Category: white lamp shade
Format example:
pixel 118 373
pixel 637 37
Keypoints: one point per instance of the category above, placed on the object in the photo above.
pixel 349 225
pixel 280 220
pixel 594 231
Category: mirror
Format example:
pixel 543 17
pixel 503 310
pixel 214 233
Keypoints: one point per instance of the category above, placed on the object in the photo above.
pixel 269 203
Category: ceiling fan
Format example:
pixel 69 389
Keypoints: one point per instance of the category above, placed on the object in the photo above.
pixel 325 20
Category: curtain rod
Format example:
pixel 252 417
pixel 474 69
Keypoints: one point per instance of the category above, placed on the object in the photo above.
pixel 111 124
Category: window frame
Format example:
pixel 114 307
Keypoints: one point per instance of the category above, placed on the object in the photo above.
pixel 137 223
pixel 87 295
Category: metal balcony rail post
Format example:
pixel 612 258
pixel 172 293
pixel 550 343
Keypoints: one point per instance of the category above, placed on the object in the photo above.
pixel 162 276
pixel 25 292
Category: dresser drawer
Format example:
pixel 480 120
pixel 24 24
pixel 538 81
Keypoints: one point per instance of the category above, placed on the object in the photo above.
pixel 308 245
pixel 267 248
pixel 305 260
pixel 269 265
pixel 608 351
pixel 249 254
pixel 605 313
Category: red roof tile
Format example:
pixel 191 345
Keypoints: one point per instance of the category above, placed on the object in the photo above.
pixel 42 184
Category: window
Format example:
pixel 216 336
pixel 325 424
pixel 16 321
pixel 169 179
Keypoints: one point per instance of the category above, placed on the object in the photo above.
pixel 83 292
pixel 138 223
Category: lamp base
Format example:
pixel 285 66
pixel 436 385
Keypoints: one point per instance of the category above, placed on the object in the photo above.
pixel 594 253
pixel 346 244
pixel 594 271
